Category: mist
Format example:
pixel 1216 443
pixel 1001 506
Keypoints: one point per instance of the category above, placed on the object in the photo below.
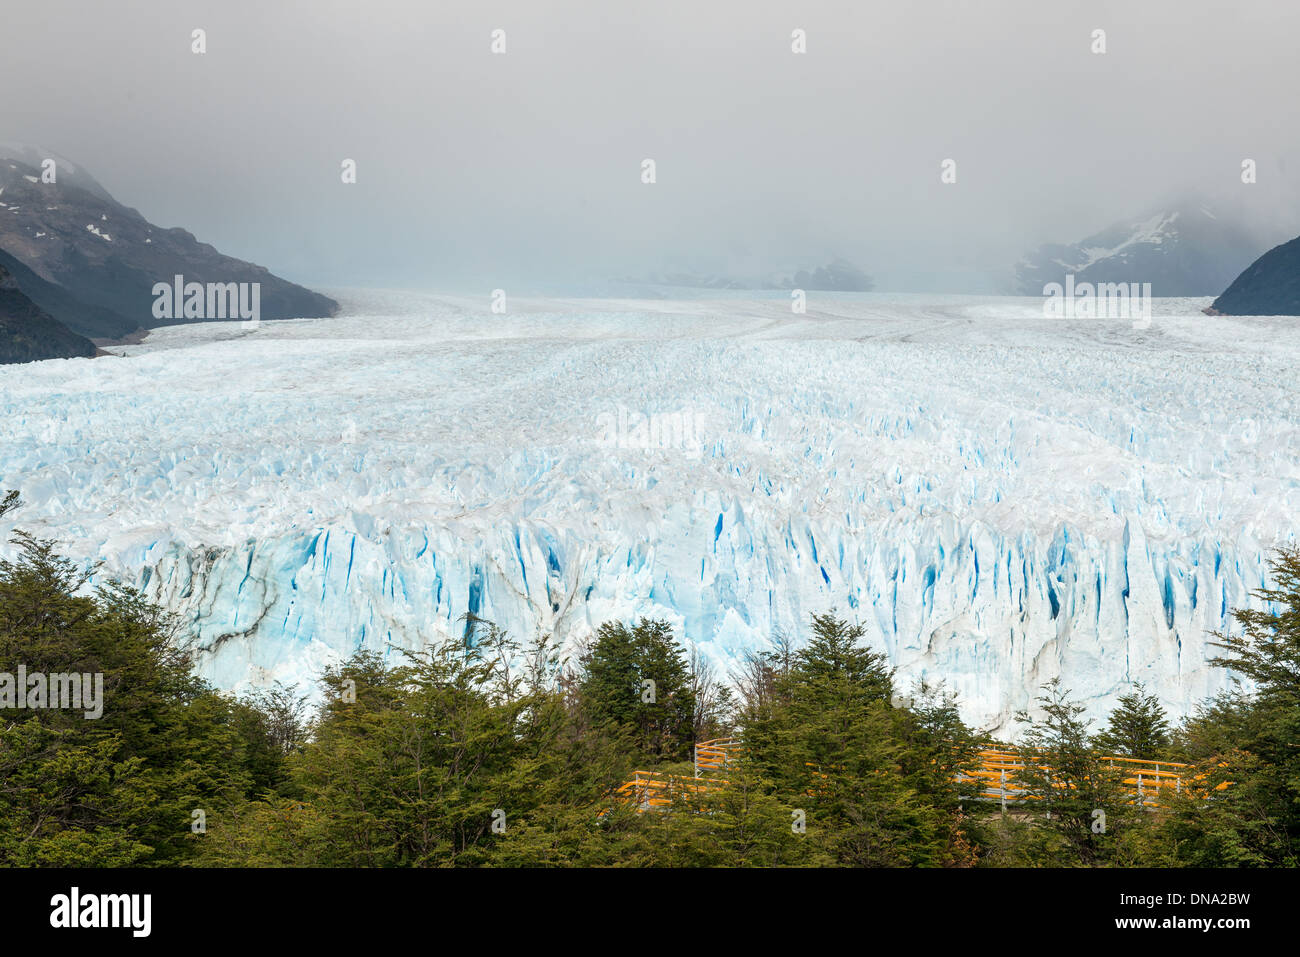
pixel 482 170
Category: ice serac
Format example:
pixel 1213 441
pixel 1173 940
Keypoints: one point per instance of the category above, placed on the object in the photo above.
pixel 992 615
pixel 998 498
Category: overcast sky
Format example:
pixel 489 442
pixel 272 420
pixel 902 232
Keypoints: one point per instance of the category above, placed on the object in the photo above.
pixel 482 169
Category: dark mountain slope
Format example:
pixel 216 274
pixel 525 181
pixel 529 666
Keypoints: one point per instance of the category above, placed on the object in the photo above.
pixel 1270 286
pixel 96 322
pixel 72 235
pixel 1186 250
pixel 28 333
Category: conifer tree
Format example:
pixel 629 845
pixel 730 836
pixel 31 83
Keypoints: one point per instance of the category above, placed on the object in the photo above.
pixel 637 679
pixel 1246 743
pixel 1136 728
pixel 826 736
pixel 1075 794
pixel 125 787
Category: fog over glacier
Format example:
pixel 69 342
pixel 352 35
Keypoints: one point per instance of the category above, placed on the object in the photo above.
pixel 998 498
pixel 478 171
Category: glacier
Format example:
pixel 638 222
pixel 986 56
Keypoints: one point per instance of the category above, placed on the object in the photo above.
pixel 997 497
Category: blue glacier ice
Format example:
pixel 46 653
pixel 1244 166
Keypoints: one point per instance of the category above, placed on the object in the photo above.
pixel 998 498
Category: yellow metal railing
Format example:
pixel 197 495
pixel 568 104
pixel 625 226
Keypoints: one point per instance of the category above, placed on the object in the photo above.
pixel 714 756
pixel 652 790
pixel 1146 781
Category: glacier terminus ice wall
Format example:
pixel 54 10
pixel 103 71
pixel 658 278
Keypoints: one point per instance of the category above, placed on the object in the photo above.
pixel 997 497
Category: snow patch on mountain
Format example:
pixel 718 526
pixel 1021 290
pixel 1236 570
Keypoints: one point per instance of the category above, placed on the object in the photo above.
pixel 1184 251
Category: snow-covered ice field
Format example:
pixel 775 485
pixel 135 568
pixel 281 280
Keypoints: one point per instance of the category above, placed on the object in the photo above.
pixel 998 497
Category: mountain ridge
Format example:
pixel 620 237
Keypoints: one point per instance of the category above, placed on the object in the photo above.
pixel 91 262
pixel 1270 286
pixel 1183 249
